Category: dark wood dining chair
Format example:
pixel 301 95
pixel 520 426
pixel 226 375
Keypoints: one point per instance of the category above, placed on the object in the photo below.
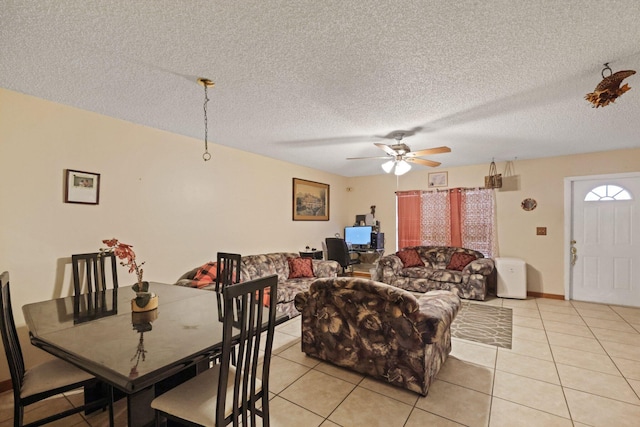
pixel 229 393
pixel 337 250
pixel 90 273
pixel 44 380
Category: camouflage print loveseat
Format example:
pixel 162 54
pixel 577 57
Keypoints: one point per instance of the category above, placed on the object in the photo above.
pixel 256 266
pixel 378 330
pixel 465 272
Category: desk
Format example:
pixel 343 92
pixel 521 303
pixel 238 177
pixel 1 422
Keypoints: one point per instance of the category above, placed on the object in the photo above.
pixel 368 256
pixel 185 333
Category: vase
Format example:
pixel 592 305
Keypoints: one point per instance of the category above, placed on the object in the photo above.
pixel 144 301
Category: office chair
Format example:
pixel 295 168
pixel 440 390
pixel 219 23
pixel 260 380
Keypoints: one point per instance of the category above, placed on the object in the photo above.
pixel 337 250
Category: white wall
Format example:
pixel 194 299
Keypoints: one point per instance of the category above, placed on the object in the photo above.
pixel 156 194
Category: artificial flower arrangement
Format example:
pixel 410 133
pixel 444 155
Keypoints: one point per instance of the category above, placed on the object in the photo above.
pixel 125 252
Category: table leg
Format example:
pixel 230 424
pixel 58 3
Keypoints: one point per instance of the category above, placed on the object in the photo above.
pixel 139 411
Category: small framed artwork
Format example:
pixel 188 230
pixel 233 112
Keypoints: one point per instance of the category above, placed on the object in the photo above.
pixel 438 179
pixel 82 187
pixel 310 200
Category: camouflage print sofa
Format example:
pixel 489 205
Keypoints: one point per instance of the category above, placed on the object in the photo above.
pixel 378 330
pixel 470 278
pixel 256 266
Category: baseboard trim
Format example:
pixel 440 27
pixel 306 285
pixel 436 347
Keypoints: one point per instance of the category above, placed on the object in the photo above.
pixel 5 386
pixel 543 295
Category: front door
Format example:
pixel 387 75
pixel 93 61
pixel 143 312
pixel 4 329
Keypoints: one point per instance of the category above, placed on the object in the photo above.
pixel 605 240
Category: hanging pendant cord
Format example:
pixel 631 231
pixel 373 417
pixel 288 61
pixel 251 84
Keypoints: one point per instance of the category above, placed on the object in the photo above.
pixel 206 156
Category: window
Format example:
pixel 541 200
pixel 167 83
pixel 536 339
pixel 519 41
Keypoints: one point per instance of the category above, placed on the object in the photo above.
pixel 607 192
pixel 457 217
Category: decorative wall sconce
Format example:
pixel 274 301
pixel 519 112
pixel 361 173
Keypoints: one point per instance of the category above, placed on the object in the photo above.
pixel 528 204
pixel 609 88
pixel 207 84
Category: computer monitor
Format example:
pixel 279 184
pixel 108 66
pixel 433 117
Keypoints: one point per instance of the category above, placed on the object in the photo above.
pixel 358 236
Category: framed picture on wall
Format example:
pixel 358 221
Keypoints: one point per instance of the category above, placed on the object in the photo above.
pixel 310 200
pixel 82 187
pixel 438 179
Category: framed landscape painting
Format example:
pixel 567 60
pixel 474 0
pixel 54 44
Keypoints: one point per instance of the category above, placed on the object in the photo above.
pixel 310 200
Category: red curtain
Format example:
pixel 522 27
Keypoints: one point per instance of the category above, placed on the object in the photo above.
pixel 455 202
pixel 408 218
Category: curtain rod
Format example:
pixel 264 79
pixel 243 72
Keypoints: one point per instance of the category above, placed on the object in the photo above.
pixel 448 190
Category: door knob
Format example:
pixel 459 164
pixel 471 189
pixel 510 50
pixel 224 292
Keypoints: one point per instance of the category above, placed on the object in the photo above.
pixel 574 253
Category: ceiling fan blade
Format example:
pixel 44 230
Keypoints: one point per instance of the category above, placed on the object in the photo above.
pixel 423 162
pixel 429 151
pixel 390 151
pixel 364 158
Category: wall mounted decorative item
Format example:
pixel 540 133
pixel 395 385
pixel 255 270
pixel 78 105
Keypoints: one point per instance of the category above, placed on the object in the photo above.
pixel 438 179
pixel 494 179
pixel 529 204
pixel 609 88
pixel 310 200
pixel 82 187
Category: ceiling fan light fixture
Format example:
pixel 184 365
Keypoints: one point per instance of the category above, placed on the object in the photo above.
pixel 402 167
pixel 388 166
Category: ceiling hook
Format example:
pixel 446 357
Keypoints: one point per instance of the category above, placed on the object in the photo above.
pixel 606 68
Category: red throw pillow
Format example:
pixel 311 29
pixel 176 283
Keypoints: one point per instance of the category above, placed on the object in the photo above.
pixel 410 258
pixel 206 274
pixel 459 261
pixel 300 267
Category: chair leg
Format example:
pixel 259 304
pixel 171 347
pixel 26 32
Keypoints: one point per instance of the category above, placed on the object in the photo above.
pixel 265 410
pixel 18 415
pixel 111 420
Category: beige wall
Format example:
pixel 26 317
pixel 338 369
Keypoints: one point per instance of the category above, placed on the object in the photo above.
pixel 178 211
pixel 540 179
pixel 156 194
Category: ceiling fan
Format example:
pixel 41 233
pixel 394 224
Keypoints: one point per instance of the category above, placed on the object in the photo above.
pixel 400 156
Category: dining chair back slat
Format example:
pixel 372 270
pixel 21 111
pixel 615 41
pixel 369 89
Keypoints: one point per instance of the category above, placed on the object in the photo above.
pixel 227 273
pixel 90 272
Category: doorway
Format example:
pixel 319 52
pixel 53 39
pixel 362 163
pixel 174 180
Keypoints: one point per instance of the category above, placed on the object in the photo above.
pixel 602 238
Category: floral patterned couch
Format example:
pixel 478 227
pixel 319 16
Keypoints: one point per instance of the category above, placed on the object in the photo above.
pixel 256 266
pixel 462 271
pixel 378 330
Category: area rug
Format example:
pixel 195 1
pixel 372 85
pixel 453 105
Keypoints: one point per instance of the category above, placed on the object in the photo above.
pixel 484 324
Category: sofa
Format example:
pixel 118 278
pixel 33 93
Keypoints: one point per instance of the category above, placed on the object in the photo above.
pixel 465 272
pixel 280 263
pixel 378 330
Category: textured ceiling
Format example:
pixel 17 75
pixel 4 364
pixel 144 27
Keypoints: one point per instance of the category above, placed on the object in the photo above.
pixel 314 82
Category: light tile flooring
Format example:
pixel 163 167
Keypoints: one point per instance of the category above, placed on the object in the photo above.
pixel 572 364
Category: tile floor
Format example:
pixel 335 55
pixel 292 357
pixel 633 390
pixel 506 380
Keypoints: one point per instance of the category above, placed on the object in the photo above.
pixel 572 364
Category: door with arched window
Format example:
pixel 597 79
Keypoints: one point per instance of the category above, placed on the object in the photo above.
pixel 605 240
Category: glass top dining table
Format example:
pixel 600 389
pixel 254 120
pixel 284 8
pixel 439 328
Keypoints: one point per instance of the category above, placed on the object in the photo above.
pixel 130 350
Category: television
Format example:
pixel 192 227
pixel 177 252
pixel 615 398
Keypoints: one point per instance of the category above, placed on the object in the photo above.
pixel 358 236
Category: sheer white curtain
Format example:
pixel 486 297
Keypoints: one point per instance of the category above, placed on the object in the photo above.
pixel 478 220
pixel 474 215
pixel 435 218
